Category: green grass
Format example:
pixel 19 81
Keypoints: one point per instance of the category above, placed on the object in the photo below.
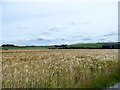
pixel 23 48
pixel 88 45
pixel 105 80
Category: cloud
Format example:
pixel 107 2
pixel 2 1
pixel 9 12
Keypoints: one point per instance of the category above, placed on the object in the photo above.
pixel 51 30
pixel 40 39
pixel 21 27
pixel 46 33
pixel 85 23
pixel 63 38
pixel 86 39
pixel 55 28
pixel 77 36
pixel 58 1
pixel 102 39
pixel 44 38
pixel 72 23
pixel 54 20
pixel 110 34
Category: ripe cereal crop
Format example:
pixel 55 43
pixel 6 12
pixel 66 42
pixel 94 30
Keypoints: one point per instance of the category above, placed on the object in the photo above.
pixel 59 68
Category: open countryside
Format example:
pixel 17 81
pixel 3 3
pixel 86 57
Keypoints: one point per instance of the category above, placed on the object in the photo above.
pixel 59 44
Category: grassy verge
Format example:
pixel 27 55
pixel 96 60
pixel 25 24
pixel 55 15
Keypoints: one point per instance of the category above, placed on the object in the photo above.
pixel 106 80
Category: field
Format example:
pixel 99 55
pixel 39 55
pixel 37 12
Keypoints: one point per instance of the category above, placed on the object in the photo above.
pixel 60 68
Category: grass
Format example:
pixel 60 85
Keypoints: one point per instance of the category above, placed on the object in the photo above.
pixel 23 47
pixel 45 68
pixel 89 45
pixel 104 80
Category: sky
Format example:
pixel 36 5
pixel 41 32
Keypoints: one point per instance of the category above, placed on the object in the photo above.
pixel 49 22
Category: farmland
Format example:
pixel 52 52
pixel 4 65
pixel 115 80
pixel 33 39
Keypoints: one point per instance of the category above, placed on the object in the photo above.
pixel 63 46
pixel 63 68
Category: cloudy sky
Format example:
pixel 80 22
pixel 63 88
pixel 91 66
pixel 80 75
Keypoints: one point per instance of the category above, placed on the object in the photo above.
pixel 46 22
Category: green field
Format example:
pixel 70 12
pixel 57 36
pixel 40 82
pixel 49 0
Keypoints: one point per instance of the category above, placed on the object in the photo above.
pixel 23 47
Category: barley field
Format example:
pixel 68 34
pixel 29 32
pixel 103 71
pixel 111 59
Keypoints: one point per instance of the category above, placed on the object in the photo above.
pixel 59 68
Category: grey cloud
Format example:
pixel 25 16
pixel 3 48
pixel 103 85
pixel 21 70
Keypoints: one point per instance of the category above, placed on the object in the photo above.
pixel 110 34
pixel 54 29
pixel 46 33
pixel 77 35
pixel 85 23
pixel 101 39
pixel 45 38
pixel 40 39
pixel 86 39
pixel 50 31
pixel 72 23
pixel 21 27
pixel 63 38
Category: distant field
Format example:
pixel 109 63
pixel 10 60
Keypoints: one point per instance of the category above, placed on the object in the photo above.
pixel 70 68
pixel 72 46
pixel 23 48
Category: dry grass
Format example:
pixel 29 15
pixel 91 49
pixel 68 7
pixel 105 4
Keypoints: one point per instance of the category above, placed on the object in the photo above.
pixel 56 68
